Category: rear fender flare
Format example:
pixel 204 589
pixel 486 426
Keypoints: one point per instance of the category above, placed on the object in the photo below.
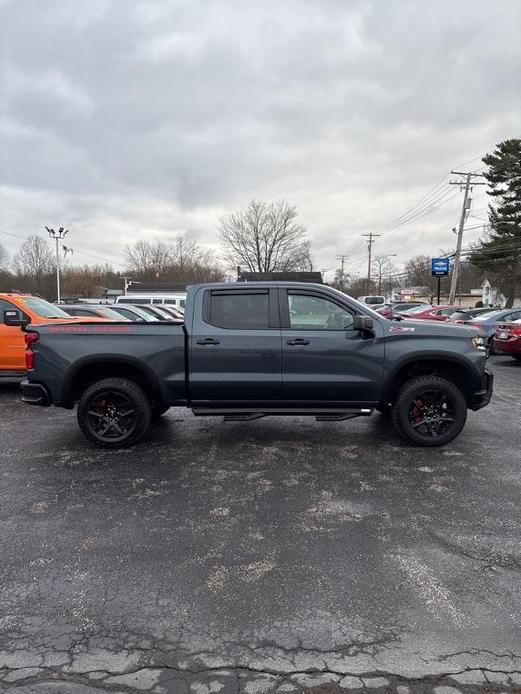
pixel 105 360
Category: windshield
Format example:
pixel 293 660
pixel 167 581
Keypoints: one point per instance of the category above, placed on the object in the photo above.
pixel 42 308
pixel 418 309
pixel 485 316
pixel 144 315
pixel 108 313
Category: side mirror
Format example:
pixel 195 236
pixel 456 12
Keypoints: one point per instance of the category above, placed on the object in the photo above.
pixel 14 318
pixel 363 323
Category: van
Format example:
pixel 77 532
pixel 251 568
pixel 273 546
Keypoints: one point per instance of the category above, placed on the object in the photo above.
pixel 177 299
pixel 373 301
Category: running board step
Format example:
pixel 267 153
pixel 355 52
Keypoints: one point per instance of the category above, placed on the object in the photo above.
pixel 343 416
pixel 329 414
pixel 243 417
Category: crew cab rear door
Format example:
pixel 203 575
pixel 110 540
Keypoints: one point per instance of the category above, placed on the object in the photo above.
pixel 324 360
pixel 235 348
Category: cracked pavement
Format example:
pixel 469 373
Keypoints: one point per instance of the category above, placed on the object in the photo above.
pixel 280 555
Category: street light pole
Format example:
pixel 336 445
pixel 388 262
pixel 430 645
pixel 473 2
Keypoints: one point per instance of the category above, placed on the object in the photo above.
pixel 57 236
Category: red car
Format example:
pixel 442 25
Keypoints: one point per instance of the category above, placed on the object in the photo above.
pixel 508 339
pixel 439 313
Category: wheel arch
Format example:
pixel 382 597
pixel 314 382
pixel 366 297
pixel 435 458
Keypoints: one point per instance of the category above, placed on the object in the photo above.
pixel 91 369
pixel 452 367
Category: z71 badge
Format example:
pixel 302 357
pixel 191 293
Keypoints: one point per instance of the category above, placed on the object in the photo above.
pixel 401 329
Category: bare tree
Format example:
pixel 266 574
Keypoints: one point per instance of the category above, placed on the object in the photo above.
pixel 180 261
pixel 4 258
pixel 34 260
pixel 148 259
pixel 265 238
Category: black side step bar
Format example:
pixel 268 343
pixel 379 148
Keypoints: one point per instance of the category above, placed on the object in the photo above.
pixel 232 414
pixel 244 417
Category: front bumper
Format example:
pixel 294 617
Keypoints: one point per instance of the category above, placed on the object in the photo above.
pixel 483 396
pixel 35 394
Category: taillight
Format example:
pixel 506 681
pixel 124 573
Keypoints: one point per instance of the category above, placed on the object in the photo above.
pixel 29 354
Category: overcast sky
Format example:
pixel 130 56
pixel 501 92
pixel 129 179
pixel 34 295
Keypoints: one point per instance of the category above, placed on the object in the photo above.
pixel 128 119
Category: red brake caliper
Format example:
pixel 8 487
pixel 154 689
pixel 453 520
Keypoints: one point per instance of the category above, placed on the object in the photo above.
pixel 416 410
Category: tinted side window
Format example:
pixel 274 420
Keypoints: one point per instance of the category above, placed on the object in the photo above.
pixel 241 310
pixel 316 313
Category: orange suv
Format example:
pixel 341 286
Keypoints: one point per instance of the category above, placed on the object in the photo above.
pixel 34 310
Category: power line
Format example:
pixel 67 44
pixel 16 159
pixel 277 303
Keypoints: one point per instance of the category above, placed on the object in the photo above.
pixel 432 192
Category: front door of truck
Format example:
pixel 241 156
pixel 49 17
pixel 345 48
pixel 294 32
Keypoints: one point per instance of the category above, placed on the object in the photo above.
pixel 324 360
pixel 235 348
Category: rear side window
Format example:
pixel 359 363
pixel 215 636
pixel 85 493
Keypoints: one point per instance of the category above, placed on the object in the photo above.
pixel 238 310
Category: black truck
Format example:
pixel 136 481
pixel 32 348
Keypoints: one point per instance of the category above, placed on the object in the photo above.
pixel 247 350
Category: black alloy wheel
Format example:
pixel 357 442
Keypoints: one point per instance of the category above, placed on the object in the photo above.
pixel 429 411
pixel 114 412
pixel 111 415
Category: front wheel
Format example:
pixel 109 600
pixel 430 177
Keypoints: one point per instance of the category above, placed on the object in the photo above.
pixel 429 411
pixel 517 357
pixel 114 413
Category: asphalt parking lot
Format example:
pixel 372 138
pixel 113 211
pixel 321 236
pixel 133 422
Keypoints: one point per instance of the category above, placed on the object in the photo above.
pixel 275 555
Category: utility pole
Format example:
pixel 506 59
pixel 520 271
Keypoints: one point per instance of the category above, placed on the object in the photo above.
pixel 467 201
pixel 342 259
pixel 57 236
pixel 371 237
pixel 126 284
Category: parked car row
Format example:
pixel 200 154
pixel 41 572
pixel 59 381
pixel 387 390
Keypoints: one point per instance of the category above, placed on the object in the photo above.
pixel 127 312
pixel 489 321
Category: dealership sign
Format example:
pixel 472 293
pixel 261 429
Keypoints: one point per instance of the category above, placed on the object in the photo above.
pixel 439 267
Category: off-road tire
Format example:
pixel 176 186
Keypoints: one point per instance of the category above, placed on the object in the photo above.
pixel 129 390
pixel 406 396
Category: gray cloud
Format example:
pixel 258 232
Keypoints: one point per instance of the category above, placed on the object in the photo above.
pixel 126 118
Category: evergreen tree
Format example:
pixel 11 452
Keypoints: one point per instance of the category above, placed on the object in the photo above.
pixel 500 252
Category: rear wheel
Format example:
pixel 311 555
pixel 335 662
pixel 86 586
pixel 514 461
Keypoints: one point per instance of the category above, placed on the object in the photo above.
pixel 114 413
pixel 517 357
pixel 429 411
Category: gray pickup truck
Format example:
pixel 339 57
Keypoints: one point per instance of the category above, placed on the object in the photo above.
pixel 248 350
